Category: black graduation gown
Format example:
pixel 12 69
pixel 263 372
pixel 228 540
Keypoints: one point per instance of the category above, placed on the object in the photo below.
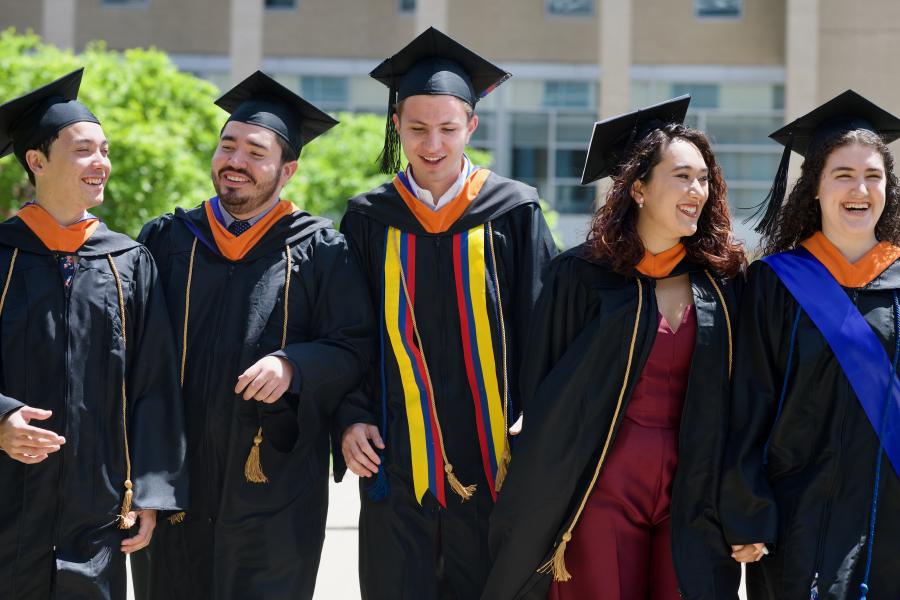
pixel 811 502
pixel 423 552
pixel 244 540
pixel 65 353
pixel 574 364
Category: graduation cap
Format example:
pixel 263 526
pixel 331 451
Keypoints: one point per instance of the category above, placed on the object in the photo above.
pixel 262 101
pixel 433 64
pixel 37 116
pixel 846 112
pixel 613 138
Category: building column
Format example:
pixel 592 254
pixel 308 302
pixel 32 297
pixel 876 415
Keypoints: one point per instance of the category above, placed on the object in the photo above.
pixel 614 56
pixel 431 13
pixel 801 85
pixel 245 48
pixel 58 23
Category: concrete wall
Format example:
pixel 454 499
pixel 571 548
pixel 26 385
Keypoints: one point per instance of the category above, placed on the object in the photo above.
pixel 21 15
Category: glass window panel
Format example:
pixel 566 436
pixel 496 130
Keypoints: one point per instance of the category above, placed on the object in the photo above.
pixel 748 166
pixel 524 93
pixel 570 8
pixel 745 96
pixel 741 129
pixel 406 6
pixel 567 94
pixel 529 130
pixel 703 95
pixel 718 8
pixel 485 130
pixel 281 3
pixel 570 163
pixel 575 128
pixel 124 2
pixel 529 164
pixel 325 91
pixel 574 198
pixel 367 93
pixel 778 97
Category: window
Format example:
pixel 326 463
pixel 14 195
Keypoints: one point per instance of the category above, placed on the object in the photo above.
pixel 325 92
pixel 703 95
pixel 718 8
pixel 406 6
pixel 570 8
pixel 281 4
pixel 567 94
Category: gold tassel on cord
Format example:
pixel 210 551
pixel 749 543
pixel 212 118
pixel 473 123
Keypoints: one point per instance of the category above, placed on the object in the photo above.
pixel 253 468
pixel 177 518
pixel 464 491
pixel 503 467
pixel 557 564
pixel 126 522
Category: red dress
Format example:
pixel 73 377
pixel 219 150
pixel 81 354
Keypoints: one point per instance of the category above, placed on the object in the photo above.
pixel 621 548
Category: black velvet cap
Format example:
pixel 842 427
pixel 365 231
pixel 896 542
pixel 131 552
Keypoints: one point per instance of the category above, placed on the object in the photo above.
pixel 262 101
pixel 613 138
pixel 432 64
pixel 845 112
pixel 28 120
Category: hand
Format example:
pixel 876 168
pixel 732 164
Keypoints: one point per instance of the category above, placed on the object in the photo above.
pixel 516 427
pixel 360 456
pixel 747 553
pixel 147 519
pixel 24 442
pixel 266 380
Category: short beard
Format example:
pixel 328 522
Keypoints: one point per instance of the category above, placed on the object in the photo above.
pixel 243 205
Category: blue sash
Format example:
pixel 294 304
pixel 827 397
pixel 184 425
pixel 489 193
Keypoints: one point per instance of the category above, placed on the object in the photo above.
pixel 857 348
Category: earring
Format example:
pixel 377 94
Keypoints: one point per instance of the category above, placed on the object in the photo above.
pixel 640 203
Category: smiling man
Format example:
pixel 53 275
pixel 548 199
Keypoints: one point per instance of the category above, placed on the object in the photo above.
pixel 453 254
pixel 91 419
pixel 275 327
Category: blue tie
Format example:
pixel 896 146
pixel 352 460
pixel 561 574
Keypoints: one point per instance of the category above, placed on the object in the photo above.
pixel 238 227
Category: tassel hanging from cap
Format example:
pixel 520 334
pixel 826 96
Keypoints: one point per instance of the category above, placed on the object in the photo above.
pixel 253 467
pixel 390 154
pixel 766 212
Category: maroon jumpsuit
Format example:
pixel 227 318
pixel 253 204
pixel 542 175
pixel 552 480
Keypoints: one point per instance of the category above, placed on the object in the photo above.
pixel 620 548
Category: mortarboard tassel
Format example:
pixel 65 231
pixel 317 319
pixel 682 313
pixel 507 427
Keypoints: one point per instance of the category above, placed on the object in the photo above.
pixel 390 154
pixel 253 467
pixel 766 212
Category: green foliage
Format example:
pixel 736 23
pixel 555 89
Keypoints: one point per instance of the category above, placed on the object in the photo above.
pixel 161 124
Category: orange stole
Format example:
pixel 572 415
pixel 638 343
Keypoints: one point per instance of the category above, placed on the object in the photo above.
pixel 53 235
pixel 660 265
pixel 235 247
pixel 438 221
pixel 851 275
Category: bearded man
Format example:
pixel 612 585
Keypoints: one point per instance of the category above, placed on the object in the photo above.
pixel 274 328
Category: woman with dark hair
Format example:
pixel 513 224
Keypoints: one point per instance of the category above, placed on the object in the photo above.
pixel 611 492
pixel 810 487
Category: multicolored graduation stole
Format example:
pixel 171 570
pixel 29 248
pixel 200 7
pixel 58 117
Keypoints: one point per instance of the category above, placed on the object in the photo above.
pixel 857 348
pixel 474 283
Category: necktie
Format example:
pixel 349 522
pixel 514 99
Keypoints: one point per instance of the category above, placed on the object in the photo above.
pixel 238 227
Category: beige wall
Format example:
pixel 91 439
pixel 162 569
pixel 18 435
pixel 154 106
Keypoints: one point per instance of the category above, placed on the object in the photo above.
pixel 193 26
pixel 667 32
pixel 22 15
pixel 858 48
pixel 506 30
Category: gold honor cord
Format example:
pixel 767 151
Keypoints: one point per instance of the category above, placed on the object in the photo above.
pixel 557 564
pixel 506 456
pixel 12 264
pixel 124 521
pixel 253 471
pixel 464 491
pixel 727 319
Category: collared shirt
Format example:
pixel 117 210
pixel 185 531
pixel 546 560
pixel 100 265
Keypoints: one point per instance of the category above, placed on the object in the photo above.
pixel 425 196
pixel 228 219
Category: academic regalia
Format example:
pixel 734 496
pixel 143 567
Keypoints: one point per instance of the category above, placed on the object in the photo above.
pixel 804 465
pixel 240 539
pixel 84 332
pixel 421 537
pixel 583 343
